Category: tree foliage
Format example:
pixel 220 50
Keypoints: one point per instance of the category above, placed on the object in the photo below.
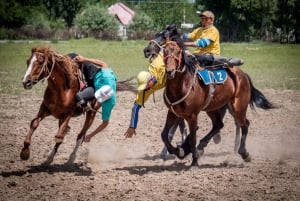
pixel 95 19
pixel 237 20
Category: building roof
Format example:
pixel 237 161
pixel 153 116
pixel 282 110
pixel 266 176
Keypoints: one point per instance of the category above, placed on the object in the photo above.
pixel 123 13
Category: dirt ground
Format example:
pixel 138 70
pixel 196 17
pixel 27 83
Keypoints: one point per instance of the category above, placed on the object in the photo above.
pixel 111 167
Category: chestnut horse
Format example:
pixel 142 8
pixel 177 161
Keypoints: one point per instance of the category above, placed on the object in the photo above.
pixel 156 45
pixel 186 96
pixel 63 77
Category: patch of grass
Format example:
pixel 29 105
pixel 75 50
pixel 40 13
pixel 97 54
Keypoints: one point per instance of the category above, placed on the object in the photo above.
pixel 270 65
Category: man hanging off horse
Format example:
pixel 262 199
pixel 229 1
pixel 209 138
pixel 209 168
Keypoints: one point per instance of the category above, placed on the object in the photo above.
pixel 100 83
pixel 148 82
pixel 206 40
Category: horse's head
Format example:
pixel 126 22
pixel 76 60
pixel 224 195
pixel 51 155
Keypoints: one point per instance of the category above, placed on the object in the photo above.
pixel 158 42
pixel 37 67
pixel 173 57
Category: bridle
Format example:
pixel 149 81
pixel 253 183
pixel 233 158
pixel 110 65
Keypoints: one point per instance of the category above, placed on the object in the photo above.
pixel 44 68
pixel 174 58
pixel 177 59
pixel 157 44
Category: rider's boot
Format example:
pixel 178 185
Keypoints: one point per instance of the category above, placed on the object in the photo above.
pixel 228 62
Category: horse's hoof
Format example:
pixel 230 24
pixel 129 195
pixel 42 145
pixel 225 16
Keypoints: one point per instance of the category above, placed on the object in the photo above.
pixel 217 138
pixel 58 140
pixel 200 152
pixel 163 156
pixel 25 153
pixel 194 163
pixel 247 158
pixel 181 153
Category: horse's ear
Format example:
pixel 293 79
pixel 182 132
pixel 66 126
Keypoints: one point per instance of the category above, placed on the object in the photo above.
pixel 33 49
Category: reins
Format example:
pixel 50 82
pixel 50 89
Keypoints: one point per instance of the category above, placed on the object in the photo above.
pixel 172 104
pixel 45 69
pixel 156 43
pixel 183 98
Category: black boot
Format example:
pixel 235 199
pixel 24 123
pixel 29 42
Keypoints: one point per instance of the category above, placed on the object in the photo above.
pixel 228 62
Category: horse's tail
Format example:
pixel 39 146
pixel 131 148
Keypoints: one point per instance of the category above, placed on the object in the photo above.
pixel 126 85
pixel 258 98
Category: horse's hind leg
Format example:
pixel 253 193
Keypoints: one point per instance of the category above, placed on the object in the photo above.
pixel 237 130
pixel 242 150
pixel 90 116
pixel 52 154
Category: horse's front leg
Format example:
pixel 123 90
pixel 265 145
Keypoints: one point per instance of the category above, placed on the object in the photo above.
pixel 170 122
pixel 191 140
pixel 217 125
pixel 62 128
pixel 25 152
pixel 59 137
pixel 90 116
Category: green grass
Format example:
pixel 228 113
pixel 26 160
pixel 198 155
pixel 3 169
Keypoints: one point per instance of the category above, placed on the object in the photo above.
pixel 270 65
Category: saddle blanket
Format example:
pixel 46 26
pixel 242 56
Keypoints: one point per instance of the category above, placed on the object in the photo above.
pixel 217 76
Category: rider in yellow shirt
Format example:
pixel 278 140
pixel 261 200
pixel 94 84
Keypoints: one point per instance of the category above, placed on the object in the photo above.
pixel 148 82
pixel 206 40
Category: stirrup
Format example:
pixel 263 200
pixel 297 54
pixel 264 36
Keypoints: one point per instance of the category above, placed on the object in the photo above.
pixel 82 104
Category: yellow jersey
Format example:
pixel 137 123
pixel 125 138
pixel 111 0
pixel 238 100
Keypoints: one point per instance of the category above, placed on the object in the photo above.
pixel 158 70
pixel 210 33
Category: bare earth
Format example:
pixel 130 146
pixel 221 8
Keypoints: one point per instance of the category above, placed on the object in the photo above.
pixel 111 167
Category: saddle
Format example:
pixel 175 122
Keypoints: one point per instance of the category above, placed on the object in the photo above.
pixel 213 67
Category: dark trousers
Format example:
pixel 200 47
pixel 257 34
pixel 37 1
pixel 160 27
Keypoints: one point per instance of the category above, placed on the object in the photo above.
pixel 86 94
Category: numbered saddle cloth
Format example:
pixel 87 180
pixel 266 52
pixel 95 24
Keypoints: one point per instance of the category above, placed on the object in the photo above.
pixel 216 76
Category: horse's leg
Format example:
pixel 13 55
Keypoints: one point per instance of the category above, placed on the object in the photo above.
pixel 25 152
pixel 217 126
pixel 90 116
pixel 63 124
pixel 237 130
pixel 183 130
pixel 244 124
pixel 217 136
pixel 171 120
pixel 189 145
pixel 171 134
pixel 239 107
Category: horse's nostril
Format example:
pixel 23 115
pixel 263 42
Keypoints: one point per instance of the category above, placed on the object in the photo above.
pixel 27 85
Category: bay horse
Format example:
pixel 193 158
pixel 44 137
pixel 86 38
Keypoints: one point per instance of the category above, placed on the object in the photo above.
pixel 185 96
pixel 153 48
pixel 63 77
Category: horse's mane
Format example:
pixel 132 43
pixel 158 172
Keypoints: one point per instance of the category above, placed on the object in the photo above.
pixel 50 55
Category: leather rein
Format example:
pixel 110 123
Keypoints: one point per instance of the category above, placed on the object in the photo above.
pixel 179 60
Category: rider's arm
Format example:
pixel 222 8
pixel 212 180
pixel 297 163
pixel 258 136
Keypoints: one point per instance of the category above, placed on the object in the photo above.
pixel 203 42
pixel 134 115
pixel 94 61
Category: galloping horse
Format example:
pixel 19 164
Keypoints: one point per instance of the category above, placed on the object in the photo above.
pixel 156 45
pixel 186 96
pixel 63 77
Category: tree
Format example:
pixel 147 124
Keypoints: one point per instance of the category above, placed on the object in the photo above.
pixel 66 9
pixel 95 20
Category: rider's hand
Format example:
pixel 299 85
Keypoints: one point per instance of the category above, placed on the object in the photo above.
pixel 130 132
pixel 79 58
